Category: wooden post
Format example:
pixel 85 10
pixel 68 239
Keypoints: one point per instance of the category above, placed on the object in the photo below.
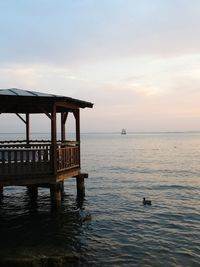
pixel 62 189
pixel 80 186
pixel 1 193
pixel 27 128
pixel 54 140
pixel 77 116
pixel 56 194
pixel 63 121
pixel 32 192
pixel 78 138
pixel 27 123
pixel 62 128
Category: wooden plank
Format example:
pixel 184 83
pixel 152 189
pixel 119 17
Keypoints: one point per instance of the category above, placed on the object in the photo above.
pixel 69 167
pixel 15 161
pixel 27 155
pixel 45 156
pixel 67 106
pixel 33 155
pixel 67 174
pixel 9 159
pixel 3 161
pixel 22 161
pixel 39 160
pixel 27 180
pixel 65 157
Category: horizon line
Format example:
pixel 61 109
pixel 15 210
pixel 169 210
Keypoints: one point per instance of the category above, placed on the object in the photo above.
pixel 112 132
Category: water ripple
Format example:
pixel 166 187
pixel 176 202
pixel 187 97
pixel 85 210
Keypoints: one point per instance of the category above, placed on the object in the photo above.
pixel 122 231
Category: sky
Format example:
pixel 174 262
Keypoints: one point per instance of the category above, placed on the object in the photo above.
pixel 137 61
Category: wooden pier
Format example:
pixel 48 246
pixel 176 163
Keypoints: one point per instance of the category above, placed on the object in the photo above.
pixel 35 163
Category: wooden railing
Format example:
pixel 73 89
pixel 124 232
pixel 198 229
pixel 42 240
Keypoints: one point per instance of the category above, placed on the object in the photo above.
pixel 68 156
pixel 36 158
pixel 24 159
pixel 4 142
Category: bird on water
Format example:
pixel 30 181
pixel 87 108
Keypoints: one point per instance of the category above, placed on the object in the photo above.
pixel 146 202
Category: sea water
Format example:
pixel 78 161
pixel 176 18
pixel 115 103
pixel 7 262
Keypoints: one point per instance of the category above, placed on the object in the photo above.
pixel 163 167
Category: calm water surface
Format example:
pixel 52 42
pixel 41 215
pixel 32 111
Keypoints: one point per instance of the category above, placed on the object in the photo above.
pixel 122 170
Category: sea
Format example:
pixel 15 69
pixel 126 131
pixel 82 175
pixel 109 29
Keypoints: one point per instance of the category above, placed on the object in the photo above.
pixel 120 231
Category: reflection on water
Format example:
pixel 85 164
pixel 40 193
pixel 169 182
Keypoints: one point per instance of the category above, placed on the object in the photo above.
pixel 122 232
pixel 34 228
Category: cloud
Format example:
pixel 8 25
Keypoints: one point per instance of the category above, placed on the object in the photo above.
pixel 75 32
pixel 138 61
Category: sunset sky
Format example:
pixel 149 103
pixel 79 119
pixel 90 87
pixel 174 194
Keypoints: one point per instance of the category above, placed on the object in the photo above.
pixel 137 61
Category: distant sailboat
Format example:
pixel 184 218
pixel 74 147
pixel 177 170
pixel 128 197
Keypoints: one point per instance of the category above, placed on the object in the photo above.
pixel 123 131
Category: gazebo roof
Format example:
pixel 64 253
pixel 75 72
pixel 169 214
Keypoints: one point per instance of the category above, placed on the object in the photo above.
pixel 18 100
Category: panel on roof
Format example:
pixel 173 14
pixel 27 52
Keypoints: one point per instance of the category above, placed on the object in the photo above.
pixel 40 94
pixel 20 92
pixel 6 92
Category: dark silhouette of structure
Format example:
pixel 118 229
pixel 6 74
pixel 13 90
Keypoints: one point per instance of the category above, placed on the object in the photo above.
pixel 35 163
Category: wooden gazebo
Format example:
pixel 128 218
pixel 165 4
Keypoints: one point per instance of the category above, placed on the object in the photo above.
pixel 34 163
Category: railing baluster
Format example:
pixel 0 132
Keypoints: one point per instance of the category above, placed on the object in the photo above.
pixel 74 155
pixel 65 157
pixel 39 160
pixel 15 161
pixel 45 158
pixel 68 157
pixel 9 160
pixel 27 155
pixel 32 158
pixel 3 161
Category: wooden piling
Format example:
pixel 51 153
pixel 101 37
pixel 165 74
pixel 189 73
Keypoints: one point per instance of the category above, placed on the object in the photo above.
pixel 1 193
pixel 62 189
pixel 80 184
pixel 32 192
pixel 56 194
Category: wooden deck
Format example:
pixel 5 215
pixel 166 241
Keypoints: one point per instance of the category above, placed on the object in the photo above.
pixel 33 163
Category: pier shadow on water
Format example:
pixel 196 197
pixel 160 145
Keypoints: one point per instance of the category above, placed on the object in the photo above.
pixel 37 234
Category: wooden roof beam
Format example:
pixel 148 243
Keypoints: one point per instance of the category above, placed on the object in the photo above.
pixel 3 109
pixel 45 112
pixel 64 117
pixel 21 118
pixel 67 106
